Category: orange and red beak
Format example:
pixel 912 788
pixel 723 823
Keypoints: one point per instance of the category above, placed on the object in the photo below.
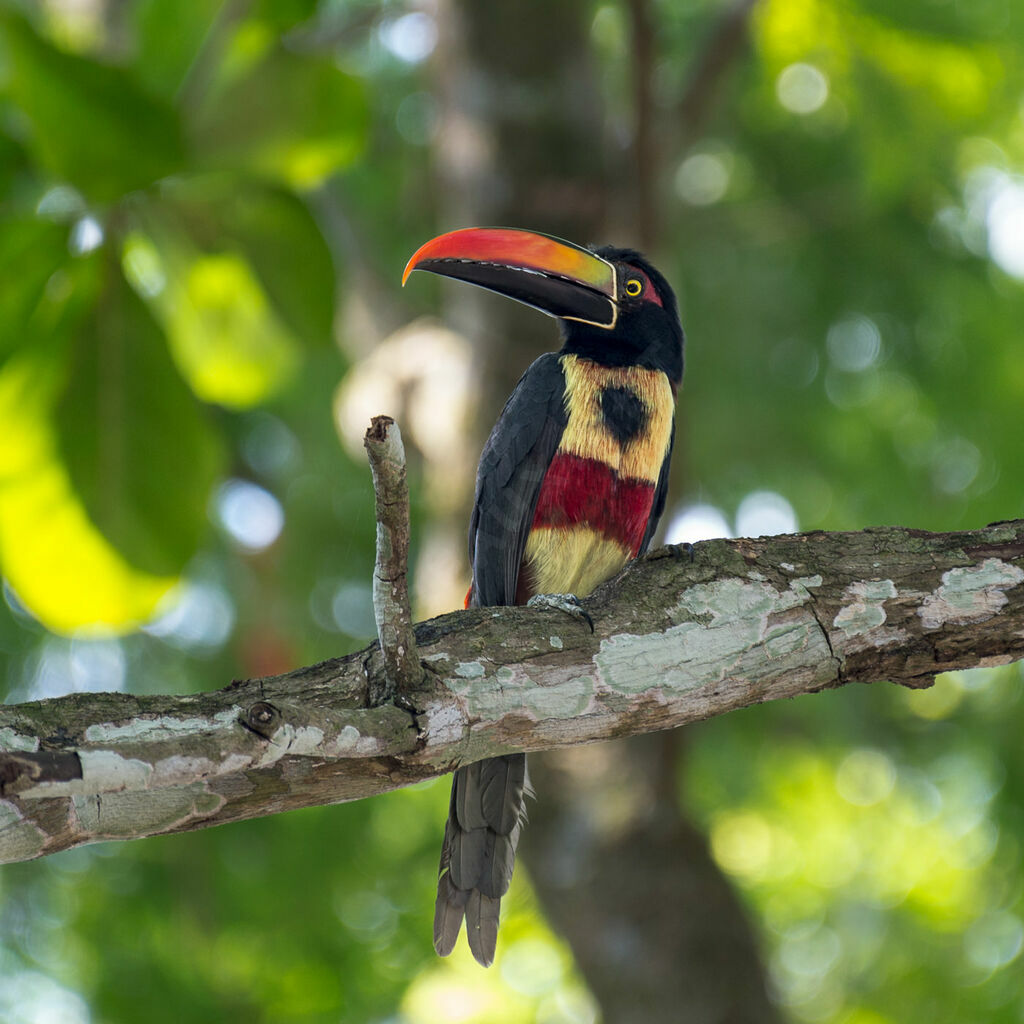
pixel 554 276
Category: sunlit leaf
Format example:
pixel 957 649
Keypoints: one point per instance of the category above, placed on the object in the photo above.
pixel 56 560
pixel 141 455
pixel 225 338
pixel 91 124
pixel 275 230
pixel 296 120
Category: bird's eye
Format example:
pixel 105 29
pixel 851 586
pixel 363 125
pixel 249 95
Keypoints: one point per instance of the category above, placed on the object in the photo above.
pixel 634 286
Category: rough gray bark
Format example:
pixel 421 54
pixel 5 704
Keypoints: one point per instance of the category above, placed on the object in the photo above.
pixel 676 640
pixel 402 671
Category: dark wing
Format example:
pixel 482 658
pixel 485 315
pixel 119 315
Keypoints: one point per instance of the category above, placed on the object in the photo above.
pixel 660 494
pixel 512 466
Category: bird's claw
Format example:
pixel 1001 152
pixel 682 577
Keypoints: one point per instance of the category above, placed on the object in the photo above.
pixel 568 603
pixel 685 548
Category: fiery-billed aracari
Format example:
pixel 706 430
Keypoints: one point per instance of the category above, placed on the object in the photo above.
pixel 570 487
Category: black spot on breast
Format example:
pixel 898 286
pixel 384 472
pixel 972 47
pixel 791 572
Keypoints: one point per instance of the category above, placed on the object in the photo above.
pixel 623 413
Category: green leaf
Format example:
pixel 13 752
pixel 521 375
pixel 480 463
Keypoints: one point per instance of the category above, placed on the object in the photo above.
pixel 226 340
pixel 296 120
pixel 92 125
pixel 170 36
pixel 275 230
pixel 38 249
pixel 140 452
pixel 285 14
pixel 51 552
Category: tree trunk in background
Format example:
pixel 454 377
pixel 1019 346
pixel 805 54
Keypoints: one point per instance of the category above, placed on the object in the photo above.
pixel 656 930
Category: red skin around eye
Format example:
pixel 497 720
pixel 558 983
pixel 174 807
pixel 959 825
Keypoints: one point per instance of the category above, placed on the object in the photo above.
pixel 648 294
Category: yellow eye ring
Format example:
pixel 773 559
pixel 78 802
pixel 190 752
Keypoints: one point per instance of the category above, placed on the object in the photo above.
pixel 634 286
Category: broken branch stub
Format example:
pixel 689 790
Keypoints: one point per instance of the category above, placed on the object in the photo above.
pixel 402 669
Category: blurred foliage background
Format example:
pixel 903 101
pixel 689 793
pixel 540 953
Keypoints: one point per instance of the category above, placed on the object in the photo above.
pixel 205 206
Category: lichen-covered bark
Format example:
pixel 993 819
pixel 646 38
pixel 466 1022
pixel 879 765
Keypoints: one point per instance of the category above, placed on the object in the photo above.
pixel 384 448
pixel 676 639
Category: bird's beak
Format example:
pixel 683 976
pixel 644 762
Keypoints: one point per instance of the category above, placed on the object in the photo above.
pixel 554 276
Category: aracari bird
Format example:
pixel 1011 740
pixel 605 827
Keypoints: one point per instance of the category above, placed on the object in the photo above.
pixel 570 487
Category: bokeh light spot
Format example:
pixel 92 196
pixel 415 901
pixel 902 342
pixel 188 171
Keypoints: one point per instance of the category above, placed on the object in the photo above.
pixel 411 38
pixel 86 235
pixel 854 343
pixel 199 618
pixel 352 609
pixel 765 514
pixel 269 446
pixel 865 777
pixel 741 843
pixel 695 523
pixel 955 464
pixel 801 88
pixel 994 940
pixel 251 515
pixel 1005 223
pixel 531 966
pixel 60 203
pixel 142 266
pixel 702 179
pixel 416 118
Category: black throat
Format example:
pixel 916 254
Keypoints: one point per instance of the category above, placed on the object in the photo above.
pixel 623 413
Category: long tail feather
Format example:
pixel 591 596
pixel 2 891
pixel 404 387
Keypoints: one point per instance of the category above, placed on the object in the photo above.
pixel 482 926
pixel 485 817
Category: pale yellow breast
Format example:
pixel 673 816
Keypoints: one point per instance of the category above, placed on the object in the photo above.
pixel 586 434
pixel 572 560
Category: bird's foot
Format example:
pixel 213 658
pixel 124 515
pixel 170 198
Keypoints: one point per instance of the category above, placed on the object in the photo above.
pixel 568 603
pixel 684 550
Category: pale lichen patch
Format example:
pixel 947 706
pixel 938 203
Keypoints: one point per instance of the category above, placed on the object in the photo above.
pixel 163 727
pixel 443 722
pixel 132 814
pixel 515 691
pixel 865 608
pixel 308 739
pixel 234 763
pixel 630 663
pixel 347 739
pixel 291 740
pixel 21 839
pixel 9 814
pixel 180 769
pixel 103 771
pixel 556 642
pixel 970 594
pixel 470 670
pixel 733 618
pixel 571 697
pixel 11 741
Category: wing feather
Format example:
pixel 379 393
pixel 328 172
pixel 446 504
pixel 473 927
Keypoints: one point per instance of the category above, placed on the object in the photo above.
pixel 512 467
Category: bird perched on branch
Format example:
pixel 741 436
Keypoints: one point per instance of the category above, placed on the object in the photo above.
pixel 570 487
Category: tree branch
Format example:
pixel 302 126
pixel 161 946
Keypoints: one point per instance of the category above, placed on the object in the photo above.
pixel 676 640
pixel 402 669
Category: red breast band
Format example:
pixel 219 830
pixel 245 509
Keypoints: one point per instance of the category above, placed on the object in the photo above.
pixel 588 492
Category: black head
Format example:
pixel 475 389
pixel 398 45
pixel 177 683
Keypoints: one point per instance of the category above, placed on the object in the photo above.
pixel 646 332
